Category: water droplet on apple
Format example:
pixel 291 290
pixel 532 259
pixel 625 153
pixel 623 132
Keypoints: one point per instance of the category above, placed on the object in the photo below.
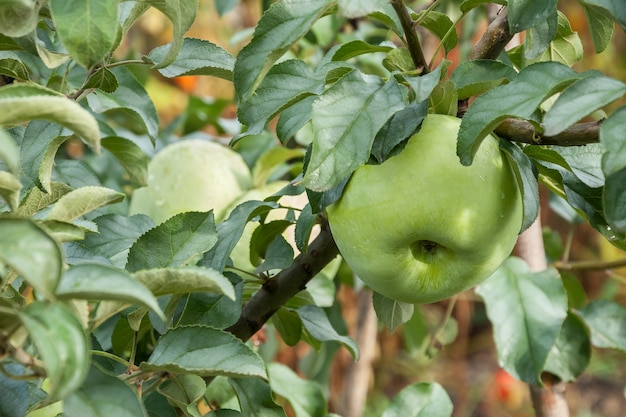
pixel 502 196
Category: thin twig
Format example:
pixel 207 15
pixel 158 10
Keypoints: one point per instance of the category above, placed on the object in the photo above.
pixel 589 265
pixel 410 34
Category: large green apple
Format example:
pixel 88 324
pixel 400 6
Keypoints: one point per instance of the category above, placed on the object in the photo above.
pixel 191 175
pixel 421 227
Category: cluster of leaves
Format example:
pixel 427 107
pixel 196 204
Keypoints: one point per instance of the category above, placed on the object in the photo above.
pixel 97 304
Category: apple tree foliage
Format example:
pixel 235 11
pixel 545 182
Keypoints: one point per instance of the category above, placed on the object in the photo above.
pixel 103 313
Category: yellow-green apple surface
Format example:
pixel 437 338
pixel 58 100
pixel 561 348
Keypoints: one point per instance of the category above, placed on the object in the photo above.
pixel 191 175
pixel 421 227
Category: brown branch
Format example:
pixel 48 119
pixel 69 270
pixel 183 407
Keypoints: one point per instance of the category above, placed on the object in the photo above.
pixel 410 33
pixel 523 131
pixel 279 289
pixel 493 41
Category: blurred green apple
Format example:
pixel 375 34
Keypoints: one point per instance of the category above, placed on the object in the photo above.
pixel 191 175
pixel 19 17
pixel 421 227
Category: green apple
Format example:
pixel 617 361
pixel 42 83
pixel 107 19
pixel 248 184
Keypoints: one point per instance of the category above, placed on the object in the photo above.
pixel 421 227
pixel 19 17
pixel 191 175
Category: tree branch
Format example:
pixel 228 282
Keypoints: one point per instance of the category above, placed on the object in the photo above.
pixel 279 289
pixel 493 41
pixel 523 131
pixel 410 33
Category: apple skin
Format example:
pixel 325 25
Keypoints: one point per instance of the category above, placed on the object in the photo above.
pixel 421 227
pixel 191 175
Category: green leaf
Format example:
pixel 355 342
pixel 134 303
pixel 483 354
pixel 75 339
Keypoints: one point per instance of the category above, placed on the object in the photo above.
pixel 285 84
pixel 605 320
pixel 165 281
pixel 524 14
pixel 280 27
pixel 316 323
pixel 520 98
pixel 610 8
pixel 421 399
pixel 473 78
pixel 255 398
pixel 37 200
pixel 293 118
pixel 90 281
pixel 130 156
pixel 204 351
pixel 581 99
pixel 306 398
pixel 10 187
pixel 102 79
pixel 32 253
pixel 116 234
pixel 278 255
pixel 25 101
pixel 566 46
pixel 527 311
pixel 130 100
pixel 184 391
pixel 13 393
pixel 36 139
pixel 87 28
pixel 230 231
pixel 540 36
pixel 179 241
pixel 526 179
pixel 600 25
pixel 571 353
pixel 441 26
pixel 62 344
pixel 304 226
pixel 224 413
pixel 398 128
pixel 444 99
pixel 81 201
pixel 94 398
pixel 267 163
pixel 359 8
pixel 391 312
pixel 47 157
pixel 182 14
pixel 215 310
pixel 357 47
pixel 346 118
pixel 12 66
pixel 196 57
pixel 613 167
pixel 9 152
pixel 288 324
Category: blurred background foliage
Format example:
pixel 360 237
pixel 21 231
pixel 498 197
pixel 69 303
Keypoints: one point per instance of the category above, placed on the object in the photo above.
pixel 450 344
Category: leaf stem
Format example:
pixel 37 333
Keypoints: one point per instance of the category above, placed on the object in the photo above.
pixel 410 34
